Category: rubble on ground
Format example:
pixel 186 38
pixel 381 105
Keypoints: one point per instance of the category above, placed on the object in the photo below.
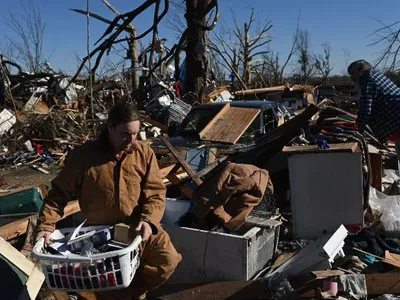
pixel 325 217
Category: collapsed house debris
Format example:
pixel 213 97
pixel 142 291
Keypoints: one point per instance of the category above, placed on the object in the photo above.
pixel 259 185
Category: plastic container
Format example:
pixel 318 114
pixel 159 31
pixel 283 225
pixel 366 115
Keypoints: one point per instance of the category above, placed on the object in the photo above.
pixel 26 201
pixel 99 272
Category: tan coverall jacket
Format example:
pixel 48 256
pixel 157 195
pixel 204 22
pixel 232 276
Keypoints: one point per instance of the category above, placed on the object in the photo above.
pixel 232 193
pixel 111 192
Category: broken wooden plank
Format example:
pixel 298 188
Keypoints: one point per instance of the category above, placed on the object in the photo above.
pixel 342 147
pixel 229 124
pixel 184 188
pixel 392 258
pixel 295 88
pixel 165 171
pixel 19 227
pixel 34 273
pixel 217 116
pixel 182 177
pixel 30 236
pixel 182 162
pixel 214 94
pixel 327 273
pixel 260 91
pixel 33 284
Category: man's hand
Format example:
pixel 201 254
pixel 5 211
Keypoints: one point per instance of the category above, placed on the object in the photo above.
pixel 45 235
pixel 145 229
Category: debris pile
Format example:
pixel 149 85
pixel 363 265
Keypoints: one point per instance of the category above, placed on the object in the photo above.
pixel 290 172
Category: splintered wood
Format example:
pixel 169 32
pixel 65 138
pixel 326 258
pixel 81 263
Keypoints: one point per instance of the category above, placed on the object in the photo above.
pixel 229 124
pixel 33 275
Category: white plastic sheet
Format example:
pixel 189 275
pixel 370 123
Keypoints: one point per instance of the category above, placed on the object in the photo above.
pixel 388 207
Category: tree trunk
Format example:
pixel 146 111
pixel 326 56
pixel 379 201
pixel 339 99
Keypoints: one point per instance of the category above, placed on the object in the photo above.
pixel 194 71
pixel 246 56
pixel 134 64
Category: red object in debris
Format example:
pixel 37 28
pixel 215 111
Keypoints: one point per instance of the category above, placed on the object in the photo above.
pixel 103 281
pixel 177 87
pixel 111 279
pixel 39 149
pixel 394 137
pixel 67 270
pixel 353 228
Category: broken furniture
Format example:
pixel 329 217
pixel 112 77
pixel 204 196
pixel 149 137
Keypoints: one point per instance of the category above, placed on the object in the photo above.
pixel 318 255
pixel 212 256
pixel 326 188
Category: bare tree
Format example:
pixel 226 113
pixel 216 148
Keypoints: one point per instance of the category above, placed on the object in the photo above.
pixel 176 17
pixel 196 63
pixel 112 34
pixel 274 67
pixel 132 51
pixel 243 49
pixel 27 43
pixel 323 64
pixel 305 59
pixel 388 38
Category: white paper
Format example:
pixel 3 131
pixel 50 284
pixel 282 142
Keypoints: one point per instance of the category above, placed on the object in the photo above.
pixel 76 231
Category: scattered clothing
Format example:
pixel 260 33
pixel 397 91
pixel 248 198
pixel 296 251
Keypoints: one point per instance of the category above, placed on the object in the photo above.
pixel 369 241
pixel 231 194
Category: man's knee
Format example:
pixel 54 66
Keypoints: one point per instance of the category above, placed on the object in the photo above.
pixel 161 254
pixel 165 253
pixel 170 260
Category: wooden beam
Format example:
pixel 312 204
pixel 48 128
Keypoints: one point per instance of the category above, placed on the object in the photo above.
pixel 181 176
pixel 165 171
pixel 295 88
pixel 327 273
pixel 182 162
pixel 30 236
pixel 214 94
pixel 341 147
pixel 19 227
pixel 184 188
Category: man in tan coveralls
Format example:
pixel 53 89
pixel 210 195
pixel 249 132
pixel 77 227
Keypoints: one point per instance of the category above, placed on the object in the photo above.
pixel 116 179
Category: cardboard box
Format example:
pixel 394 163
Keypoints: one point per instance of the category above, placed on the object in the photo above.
pixel 121 233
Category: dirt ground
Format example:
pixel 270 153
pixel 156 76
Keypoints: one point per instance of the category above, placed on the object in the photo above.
pixel 25 177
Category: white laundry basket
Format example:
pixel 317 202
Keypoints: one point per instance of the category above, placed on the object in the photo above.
pixel 98 272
